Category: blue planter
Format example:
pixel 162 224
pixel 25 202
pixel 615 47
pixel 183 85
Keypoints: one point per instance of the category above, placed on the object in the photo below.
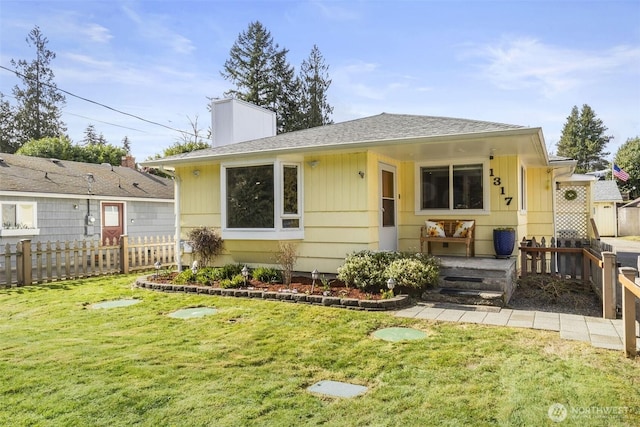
pixel 503 242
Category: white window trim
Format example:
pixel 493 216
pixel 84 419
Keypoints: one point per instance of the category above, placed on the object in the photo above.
pixel 277 232
pixel 9 232
pixel 298 215
pixel 486 197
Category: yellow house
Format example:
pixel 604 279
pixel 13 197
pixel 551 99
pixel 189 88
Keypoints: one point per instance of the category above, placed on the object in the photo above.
pixel 369 183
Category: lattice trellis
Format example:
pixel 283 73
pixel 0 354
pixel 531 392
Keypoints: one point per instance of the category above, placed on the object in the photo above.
pixel 572 216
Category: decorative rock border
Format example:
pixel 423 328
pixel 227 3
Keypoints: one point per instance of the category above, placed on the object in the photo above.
pixel 348 303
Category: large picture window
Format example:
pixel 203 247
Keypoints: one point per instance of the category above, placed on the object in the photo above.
pixel 451 187
pixel 263 198
pixel 250 197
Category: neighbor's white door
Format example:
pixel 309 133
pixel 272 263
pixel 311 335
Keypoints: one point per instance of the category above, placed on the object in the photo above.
pixel 388 208
pixel 606 220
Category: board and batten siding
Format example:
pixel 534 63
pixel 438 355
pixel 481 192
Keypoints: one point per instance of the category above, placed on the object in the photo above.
pixel 537 218
pixel 337 217
pixel 342 209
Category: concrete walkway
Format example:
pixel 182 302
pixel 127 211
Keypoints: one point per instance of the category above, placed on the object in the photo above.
pixel 602 333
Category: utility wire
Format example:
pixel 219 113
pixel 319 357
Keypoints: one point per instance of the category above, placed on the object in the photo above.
pixel 107 123
pixel 103 105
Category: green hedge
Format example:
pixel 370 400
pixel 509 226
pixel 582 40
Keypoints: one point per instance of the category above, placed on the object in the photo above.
pixel 369 270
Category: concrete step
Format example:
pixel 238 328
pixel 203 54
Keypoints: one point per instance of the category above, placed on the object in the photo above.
pixel 465 296
pixel 471 282
pixel 487 272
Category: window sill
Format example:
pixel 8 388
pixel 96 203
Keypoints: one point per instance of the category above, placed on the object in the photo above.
pixel 452 212
pixel 262 234
pixel 12 232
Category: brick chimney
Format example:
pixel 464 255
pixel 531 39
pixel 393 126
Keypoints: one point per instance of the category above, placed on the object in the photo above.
pixel 128 161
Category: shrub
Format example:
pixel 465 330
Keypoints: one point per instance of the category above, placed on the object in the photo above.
pixel 206 243
pixel 287 258
pixel 229 271
pixel 206 276
pixel 413 273
pixel 368 270
pixel 184 277
pixel 267 274
pixel 235 282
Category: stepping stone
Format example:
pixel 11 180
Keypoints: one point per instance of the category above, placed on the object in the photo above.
pixel 116 303
pixel 337 389
pixel 189 313
pixel 399 334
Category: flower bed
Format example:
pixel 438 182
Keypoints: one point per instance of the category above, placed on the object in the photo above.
pixel 337 294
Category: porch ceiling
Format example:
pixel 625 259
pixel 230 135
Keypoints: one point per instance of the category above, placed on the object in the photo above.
pixel 528 147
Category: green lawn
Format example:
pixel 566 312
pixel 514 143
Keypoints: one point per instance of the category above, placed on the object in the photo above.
pixel 65 364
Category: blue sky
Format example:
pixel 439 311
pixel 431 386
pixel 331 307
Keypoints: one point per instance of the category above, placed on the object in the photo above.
pixel 518 62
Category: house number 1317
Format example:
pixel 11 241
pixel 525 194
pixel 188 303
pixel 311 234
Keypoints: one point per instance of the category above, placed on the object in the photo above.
pixel 498 183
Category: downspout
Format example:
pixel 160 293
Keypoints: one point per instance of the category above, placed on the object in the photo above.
pixel 176 210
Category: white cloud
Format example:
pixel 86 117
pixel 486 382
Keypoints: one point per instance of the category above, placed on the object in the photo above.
pixel 155 27
pixel 369 81
pixel 97 33
pixel 528 63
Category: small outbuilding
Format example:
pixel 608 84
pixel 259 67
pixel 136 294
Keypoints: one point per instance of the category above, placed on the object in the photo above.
pixel 606 195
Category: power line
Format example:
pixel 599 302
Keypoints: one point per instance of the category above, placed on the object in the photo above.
pixel 107 123
pixel 106 106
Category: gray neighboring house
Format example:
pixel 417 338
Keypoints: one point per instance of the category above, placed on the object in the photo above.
pixel 59 200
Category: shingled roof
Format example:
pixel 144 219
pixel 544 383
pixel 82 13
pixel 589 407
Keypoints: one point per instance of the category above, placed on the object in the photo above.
pixel 27 174
pixel 606 191
pixel 382 127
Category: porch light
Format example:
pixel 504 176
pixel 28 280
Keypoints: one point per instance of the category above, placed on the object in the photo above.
pixel 314 277
pixel 245 274
pixel 194 267
pixel 391 283
pixel 158 266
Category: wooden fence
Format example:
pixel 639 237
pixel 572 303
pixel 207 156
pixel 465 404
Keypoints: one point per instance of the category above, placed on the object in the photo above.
pixel 26 263
pixel 630 292
pixel 593 262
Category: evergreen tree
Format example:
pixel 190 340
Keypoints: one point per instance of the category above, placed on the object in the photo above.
pixel 126 145
pixel 315 82
pixel 628 159
pixel 90 135
pixel 8 141
pixel 583 139
pixel 287 104
pixel 261 74
pixel 37 113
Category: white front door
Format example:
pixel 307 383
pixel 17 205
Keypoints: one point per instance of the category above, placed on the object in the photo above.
pixel 388 209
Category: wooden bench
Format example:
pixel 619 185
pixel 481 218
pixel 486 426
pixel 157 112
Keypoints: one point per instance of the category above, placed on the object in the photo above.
pixel 449 227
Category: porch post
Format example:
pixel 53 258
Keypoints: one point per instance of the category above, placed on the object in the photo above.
pixel 629 312
pixel 608 285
